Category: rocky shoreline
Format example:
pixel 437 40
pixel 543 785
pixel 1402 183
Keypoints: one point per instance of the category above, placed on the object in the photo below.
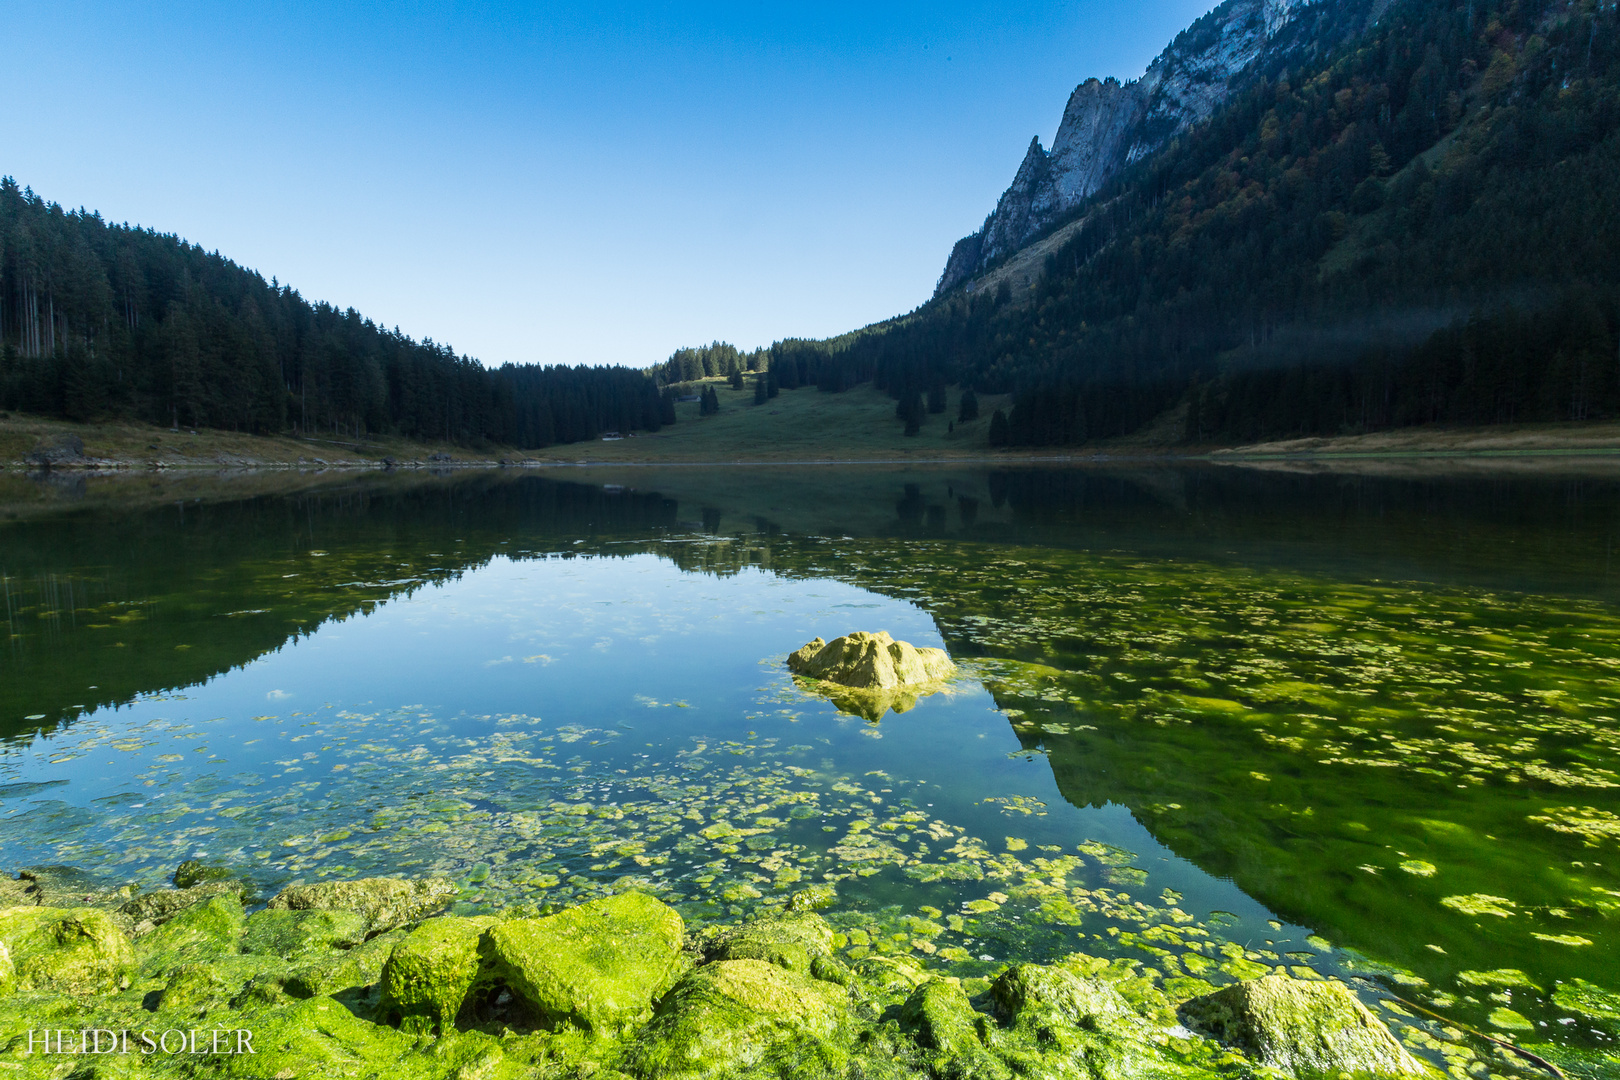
pixel 374 978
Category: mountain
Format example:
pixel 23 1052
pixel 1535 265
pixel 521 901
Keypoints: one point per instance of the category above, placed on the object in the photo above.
pixel 1108 125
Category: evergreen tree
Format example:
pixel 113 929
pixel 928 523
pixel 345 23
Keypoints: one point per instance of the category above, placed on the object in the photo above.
pixel 998 429
pixel 936 398
pixel 761 394
pixel 969 407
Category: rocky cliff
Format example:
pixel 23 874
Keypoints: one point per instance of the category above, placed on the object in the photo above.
pixel 1108 124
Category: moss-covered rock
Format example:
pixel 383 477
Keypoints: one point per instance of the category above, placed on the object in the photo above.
pixel 194 989
pixel 194 872
pixel 743 1018
pixel 384 903
pixel 597 966
pixel 197 933
pixel 156 908
pixel 8 971
pixel 319 1038
pixel 300 935
pixel 790 940
pixel 430 972
pixel 871 662
pixel 77 951
pixel 343 973
pixel 1306 1028
pixel 943 1020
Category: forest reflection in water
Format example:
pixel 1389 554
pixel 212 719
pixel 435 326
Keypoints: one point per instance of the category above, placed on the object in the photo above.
pixel 1381 707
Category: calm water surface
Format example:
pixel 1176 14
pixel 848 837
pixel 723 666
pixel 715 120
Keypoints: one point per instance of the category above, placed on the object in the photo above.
pixel 1208 724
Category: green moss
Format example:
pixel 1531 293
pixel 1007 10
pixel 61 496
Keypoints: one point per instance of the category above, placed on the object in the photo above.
pixel 743 1018
pixel 319 1038
pixel 430 972
pixel 200 932
pixel 944 1021
pixel 383 903
pixel 299 935
pixel 792 940
pixel 596 966
pixel 8 971
pixel 1306 1028
pixel 68 951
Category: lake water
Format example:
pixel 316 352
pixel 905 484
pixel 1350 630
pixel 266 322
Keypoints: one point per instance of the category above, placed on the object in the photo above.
pixel 1209 722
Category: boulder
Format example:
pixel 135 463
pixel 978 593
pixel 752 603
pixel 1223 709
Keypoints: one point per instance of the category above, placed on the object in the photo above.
pixel 944 1021
pixel 871 662
pixel 57 450
pixel 194 872
pixel 384 903
pixel 1306 1028
pixel 302 935
pixel 156 908
pixel 1030 992
pixel 732 1017
pixel 194 989
pixel 79 951
pixel 596 966
pixel 321 1038
pixel 790 940
pixel 430 972
pixel 196 934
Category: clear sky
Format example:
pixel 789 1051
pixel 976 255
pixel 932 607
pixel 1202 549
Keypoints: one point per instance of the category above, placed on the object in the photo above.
pixel 563 182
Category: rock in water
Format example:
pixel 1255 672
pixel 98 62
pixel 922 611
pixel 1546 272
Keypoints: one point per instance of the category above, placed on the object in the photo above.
pixel 597 966
pixel 385 903
pixel 1306 1028
pixel 429 974
pixel 738 1018
pixel 871 662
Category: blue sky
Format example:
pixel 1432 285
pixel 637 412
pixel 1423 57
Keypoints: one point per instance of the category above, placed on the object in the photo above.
pixel 562 183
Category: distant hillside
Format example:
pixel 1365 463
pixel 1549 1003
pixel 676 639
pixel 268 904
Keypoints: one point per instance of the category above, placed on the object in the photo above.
pixel 1420 223
pixel 101 320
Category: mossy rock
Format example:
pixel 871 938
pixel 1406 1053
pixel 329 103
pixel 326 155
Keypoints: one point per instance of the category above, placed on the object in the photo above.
pixel 384 903
pixel 70 887
pixel 790 940
pixel 340 973
pixel 80 951
pixel 319 1038
pixel 743 1018
pixel 1590 1001
pixel 156 908
pixel 596 966
pixel 431 971
pixel 871 662
pixel 943 1020
pixel 1306 1028
pixel 194 872
pixel 8 971
pixel 302 935
pixel 891 978
pixel 200 932
pixel 195 989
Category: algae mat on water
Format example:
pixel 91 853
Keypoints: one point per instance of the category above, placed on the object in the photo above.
pixel 1427 775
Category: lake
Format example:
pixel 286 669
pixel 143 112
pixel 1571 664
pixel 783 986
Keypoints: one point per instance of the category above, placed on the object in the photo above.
pixel 1209 721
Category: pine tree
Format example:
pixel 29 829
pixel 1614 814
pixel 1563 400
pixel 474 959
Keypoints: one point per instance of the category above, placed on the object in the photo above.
pixel 999 435
pixel 761 393
pixel 969 408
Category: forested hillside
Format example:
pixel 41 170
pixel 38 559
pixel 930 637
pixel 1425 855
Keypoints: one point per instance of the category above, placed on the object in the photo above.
pixel 1424 226
pixel 107 320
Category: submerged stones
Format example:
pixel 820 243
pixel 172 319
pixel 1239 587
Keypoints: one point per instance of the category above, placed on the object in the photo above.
pixel 384 903
pixel 868 674
pixel 1306 1028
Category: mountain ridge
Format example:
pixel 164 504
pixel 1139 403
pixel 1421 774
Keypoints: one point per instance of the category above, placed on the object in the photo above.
pixel 1109 125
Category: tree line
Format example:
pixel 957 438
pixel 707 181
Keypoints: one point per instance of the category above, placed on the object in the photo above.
pixel 100 320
